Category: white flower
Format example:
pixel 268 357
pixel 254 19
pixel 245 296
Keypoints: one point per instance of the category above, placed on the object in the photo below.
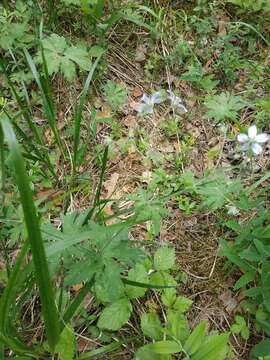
pixel 176 101
pixel 232 210
pixel 148 102
pixel 252 141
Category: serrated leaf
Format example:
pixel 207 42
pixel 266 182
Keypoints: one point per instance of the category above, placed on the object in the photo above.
pixel 66 344
pixel 196 338
pixel 115 316
pixel 223 106
pixel 68 68
pixel 182 304
pixel 139 274
pixel 168 297
pixel 151 326
pixel 109 286
pixel 164 258
pixel 177 326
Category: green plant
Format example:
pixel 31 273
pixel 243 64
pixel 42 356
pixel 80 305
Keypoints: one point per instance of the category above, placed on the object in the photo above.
pixel 240 327
pixel 115 94
pixel 251 5
pixel 223 106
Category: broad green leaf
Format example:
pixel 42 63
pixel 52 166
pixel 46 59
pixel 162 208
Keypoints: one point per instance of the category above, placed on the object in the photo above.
pixel 162 278
pixel 182 304
pixel 139 274
pixel 261 349
pixel 66 344
pixel 109 286
pixel 168 297
pixel 151 326
pixel 115 315
pixel 214 348
pixel 165 347
pixel 145 354
pixel 164 258
pixel 245 279
pixel 177 325
pixel 196 338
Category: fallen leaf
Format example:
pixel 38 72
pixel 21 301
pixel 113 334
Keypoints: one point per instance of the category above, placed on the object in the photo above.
pixel 110 184
pixel 140 55
pixel 137 91
pixel 228 300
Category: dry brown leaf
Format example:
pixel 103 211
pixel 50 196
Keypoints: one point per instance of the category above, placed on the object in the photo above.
pixel 110 184
pixel 229 302
pixel 141 51
pixel 137 91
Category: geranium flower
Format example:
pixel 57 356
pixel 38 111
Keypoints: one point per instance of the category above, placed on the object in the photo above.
pixel 148 102
pixel 252 140
pixel 176 101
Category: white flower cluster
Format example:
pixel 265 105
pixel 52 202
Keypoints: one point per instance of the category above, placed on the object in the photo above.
pixel 148 102
pixel 251 141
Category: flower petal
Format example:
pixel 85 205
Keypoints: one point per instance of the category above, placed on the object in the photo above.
pixel 182 107
pixel 242 138
pixel 256 148
pixel 157 97
pixel 145 98
pixel 262 138
pixel 252 132
pixel 245 146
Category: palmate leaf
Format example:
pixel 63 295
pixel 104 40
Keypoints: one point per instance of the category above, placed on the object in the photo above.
pixel 62 57
pixel 217 189
pixel 223 106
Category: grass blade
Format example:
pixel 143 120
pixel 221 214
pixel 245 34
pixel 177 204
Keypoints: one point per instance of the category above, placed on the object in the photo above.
pixel 46 99
pixel 7 297
pixel 78 114
pixel 49 310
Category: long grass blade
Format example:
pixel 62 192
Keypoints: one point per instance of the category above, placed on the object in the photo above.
pixel 7 297
pixel 46 99
pixel 71 310
pixel 78 114
pixel 44 283
pixel 89 213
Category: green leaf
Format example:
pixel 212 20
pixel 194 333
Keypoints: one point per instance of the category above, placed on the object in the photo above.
pixel 42 275
pixel 164 258
pixel 151 326
pixel 223 106
pixel 109 286
pixel 145 354
pixel 139 274
pixel 168 297
pixel 66 344
pixel 214 348
pixel 261 349
pixel 182 304
pixel 177 325
pixel 60 56
pixel 245 279
pixel 115 315
pixel 115 94
pixel 196 338
pixel 165 347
